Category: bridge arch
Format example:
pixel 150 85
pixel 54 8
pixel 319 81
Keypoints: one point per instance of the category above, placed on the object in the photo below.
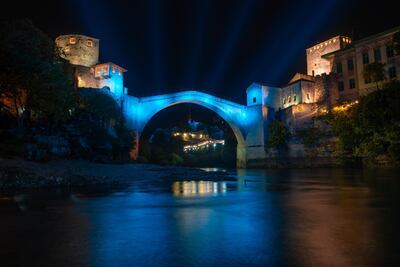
pixel 234 114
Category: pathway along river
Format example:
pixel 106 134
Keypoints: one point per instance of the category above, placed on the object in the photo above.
pixel 264 218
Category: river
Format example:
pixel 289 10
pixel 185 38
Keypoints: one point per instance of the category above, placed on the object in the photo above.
pixel 261 218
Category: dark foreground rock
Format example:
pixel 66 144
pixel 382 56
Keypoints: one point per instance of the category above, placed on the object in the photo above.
pixel 20 174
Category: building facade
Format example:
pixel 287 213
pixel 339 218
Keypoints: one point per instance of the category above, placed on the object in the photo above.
pixel 83 53
pixel 335 74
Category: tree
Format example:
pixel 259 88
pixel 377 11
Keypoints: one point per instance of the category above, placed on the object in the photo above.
pixel 375 72
pixel 32 77
pixel 100 105
pixel 277 134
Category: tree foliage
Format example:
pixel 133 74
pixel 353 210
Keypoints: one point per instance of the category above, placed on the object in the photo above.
pixel 373 127
pixel 32 75
pixel 278 134
pixel 101 105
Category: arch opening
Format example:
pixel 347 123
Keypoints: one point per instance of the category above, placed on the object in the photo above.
pixel 231 130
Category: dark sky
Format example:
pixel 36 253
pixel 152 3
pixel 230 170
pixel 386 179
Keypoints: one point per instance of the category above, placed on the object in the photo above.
pixel 217 46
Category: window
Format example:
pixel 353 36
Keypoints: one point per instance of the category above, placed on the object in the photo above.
pixel 377 55
pixel 313 73
pixel 392 72
pixel 389 51
pixel 339 67
pixel 89 43
pixel 254 99
pixel 289 99
pixel 365 58
pixel 294 98
pixel 72 40
pixel 341 86
pixel 350 64
pixel 119 72
pixel 352 83
pixel 113 69
pixel 284 101
pixel 308 96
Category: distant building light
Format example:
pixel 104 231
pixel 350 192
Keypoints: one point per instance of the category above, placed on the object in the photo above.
pixel 72 40
pixel 66 49
pixel 89 43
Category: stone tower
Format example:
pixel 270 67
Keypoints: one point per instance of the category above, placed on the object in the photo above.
pixel 316 63
pixel 79 49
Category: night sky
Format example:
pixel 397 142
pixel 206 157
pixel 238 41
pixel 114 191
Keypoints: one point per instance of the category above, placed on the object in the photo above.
pixel 216 46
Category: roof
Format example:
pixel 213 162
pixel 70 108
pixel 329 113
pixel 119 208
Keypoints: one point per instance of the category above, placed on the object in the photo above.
pixel 112 64
pixel 301 77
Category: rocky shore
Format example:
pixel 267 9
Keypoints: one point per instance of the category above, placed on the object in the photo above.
pixel 21 174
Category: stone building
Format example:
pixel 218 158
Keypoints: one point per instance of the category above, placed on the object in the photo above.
pixel 83 53
pixel 348 63
pixel 334 75
pixel 316 63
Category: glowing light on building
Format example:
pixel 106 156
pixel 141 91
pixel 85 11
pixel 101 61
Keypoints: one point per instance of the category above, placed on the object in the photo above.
pixel 344 107
pixel 202 145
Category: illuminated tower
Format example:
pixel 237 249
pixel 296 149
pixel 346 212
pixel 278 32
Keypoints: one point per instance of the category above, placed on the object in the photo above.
pixel 79 49
pixel 316 63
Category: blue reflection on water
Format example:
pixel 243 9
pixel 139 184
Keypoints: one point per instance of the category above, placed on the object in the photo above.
pixel 205 229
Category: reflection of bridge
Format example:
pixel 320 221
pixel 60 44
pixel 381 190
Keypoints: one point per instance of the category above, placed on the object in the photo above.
pixel 246 122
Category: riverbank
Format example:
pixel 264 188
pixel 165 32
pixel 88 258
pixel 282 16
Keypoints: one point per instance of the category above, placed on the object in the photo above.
pixel 22 174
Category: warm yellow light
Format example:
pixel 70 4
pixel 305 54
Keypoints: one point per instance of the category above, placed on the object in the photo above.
pixel 72 40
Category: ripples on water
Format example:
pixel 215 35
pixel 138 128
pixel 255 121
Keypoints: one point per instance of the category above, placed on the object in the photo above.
pixel 263 218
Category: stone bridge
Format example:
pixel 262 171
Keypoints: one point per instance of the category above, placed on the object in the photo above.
pixel 247 122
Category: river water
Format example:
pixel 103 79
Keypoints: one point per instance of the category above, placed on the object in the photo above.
pixel 262 218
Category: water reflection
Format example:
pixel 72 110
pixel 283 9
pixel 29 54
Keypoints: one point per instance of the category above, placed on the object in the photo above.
pixel 198 188
pixel 269 218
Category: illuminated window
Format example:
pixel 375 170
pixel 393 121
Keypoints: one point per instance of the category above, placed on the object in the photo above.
pixel 113 69
pixel 89 43
pixel 344 39
pixel 308 96
pixel 289 99
pixel 66 49
pixel 334 40
pixel 72 40
pixel 119 72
